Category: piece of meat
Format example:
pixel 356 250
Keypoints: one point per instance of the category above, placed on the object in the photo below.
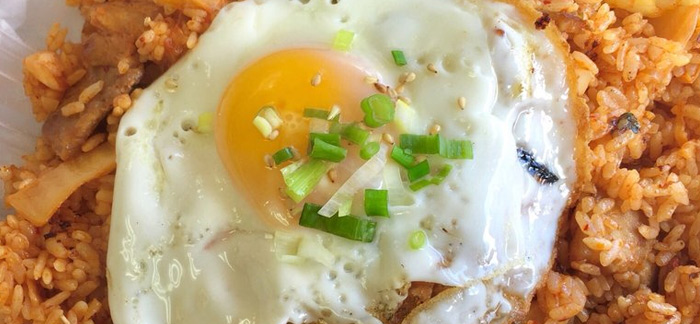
pixel 125 18
pixel 99 49
pixel 111 30
pixel 66 134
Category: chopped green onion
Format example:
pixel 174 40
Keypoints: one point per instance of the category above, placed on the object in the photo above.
pixel 436 144
pixel 316 113
pixel 301 178
pixel 205 123
pixel 345 207
pixel 343 40
pixel 441 175
pixel 351 132
pixel 369 150
pixel 349 227
pixel 398 194
pixel 270 114
pixel 436 180
pixel 420 144
pixel 311 248
pixel 354 133
pixel 325 151
pixel 283 155
pixel 378 109
pixel 399 58
pixel 406 118
pixel 406 160
pixel 377 202
pixel 336 127
pixel 456 149
pixel 333 139
pixel 263 126
pixel 417 240
pixel 360 179
pixel 420 184
pixel 418 171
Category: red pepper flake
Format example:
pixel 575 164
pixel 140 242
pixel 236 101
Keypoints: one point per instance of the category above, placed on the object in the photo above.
pixel 542 22
pixel 499 32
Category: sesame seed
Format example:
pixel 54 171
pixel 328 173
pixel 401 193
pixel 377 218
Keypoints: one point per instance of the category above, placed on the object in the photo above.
pixel 380 87
pixel 386 137
pixel 431 68
pixel 400 88
pixel 462 102
pixel 332 175
pixel 407 77
pixel 435 129
pixel 269 162
pixel 405 99
pixel 371 80
pixel 273 134
pixel 316 80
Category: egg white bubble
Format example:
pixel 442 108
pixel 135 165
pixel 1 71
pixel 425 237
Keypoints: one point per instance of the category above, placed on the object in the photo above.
pixel 185 247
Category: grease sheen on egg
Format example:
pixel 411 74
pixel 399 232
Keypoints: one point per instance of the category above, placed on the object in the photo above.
pixel 193 225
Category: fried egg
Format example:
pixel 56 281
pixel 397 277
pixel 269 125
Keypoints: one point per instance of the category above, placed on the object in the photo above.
pixel 200 232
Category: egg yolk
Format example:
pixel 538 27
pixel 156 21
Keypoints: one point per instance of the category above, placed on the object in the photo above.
pixel 289 81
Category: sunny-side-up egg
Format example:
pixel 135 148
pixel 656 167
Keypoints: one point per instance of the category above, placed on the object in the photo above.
pixel 216 169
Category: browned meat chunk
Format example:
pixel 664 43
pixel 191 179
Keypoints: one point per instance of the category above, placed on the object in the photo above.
pixel 120 17
pixel 114 25
pixel 66 134
pixel 101 49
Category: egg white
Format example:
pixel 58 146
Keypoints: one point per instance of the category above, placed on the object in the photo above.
pixel 186 248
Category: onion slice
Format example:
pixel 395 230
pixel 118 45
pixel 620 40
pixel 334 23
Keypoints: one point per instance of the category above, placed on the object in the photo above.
pixel 358 180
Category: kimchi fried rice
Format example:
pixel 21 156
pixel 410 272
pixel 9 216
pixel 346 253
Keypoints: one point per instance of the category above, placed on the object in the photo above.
pixel 629 248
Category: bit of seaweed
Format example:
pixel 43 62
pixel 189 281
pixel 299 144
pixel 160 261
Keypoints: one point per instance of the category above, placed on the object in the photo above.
pixel 538 170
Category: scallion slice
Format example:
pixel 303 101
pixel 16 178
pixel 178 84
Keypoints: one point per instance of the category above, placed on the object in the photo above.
pixel 316 113
pixel 354 133
pixel 418 171
pixel 369 150
pixel 325 151
pixel 456 149
pixel 441 175
pixel 377 202
pixel 333 139
pixel 420 184
pixel 343 40
pixel 205 123
pixel 399 57
pixel 404 159
pixel 349 227
pixel 420 144
pixel 378 109
pixel 436 144
pixel 283 155
pixel 336 127
pixel 417 240
pixel 302 177
pixel 436 180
